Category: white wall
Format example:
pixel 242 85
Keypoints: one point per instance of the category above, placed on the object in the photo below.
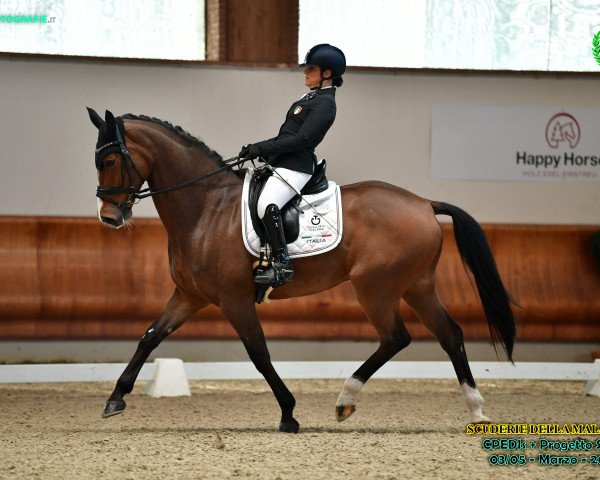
pixel 382 130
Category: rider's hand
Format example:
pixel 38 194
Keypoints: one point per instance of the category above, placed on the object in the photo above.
pixel 249 151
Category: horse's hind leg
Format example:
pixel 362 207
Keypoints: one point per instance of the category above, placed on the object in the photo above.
pixel 383 310
pixel 175 313
pixel 423 299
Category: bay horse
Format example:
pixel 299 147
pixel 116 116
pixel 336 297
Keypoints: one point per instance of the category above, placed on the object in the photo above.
pixel 390 248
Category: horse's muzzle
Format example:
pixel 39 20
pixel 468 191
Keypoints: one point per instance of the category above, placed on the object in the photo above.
pixel 119 220
pixel 113 222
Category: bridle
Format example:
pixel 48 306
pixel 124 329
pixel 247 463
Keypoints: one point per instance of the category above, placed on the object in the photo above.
pixel 134 195
pixel 127 166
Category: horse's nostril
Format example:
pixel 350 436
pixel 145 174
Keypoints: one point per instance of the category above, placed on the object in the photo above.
pixel 111 221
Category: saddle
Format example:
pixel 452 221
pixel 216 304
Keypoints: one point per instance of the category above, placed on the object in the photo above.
pixel 290 213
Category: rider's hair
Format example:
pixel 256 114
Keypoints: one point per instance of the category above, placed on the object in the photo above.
pixel 336 81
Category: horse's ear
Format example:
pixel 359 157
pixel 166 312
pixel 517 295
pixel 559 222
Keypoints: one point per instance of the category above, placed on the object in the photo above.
pixel 95 118
pixel 109 118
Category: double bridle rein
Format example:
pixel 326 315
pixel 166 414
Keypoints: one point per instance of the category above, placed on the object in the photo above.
pixel 134 195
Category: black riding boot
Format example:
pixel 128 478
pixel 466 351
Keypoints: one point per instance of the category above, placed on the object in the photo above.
pixel 281 269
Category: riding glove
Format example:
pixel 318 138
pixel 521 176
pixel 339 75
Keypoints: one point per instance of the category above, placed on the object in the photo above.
pixel 249 152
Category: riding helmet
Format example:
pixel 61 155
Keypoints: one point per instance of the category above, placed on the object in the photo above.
pixel 327 57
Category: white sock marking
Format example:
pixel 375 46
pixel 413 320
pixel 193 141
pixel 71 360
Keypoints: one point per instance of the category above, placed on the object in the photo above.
pixel 475 402
pixel 352 387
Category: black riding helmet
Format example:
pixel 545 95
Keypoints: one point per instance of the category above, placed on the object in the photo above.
pixel 327 57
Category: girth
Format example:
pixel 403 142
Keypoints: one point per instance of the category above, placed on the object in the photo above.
pixel 290 213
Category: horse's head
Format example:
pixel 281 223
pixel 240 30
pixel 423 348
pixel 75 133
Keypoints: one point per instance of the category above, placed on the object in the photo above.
pixel 119 177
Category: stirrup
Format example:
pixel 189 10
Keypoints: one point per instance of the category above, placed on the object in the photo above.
pixel 276 274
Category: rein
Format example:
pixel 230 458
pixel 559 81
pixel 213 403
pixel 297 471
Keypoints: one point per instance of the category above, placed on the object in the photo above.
pixel 134 194
pixel 145 193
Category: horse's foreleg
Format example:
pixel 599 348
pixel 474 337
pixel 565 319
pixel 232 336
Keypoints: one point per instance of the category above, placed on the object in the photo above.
pixel 243 317
pixel 423 299
pixel 383 310
pixel 175 313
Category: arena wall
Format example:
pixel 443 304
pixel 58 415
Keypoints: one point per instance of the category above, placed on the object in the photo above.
pixel 75 279
pixel 382 130
pixel 58 264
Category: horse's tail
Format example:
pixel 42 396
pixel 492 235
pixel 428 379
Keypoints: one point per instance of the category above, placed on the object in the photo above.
pixel 477 257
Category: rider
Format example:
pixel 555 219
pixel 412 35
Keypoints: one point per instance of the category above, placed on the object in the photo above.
pixel 291 153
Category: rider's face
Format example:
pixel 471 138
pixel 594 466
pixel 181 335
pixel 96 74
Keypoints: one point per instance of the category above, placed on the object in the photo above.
pixel 312 76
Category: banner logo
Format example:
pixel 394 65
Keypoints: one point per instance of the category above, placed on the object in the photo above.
pixel 596 47
pixel 563 128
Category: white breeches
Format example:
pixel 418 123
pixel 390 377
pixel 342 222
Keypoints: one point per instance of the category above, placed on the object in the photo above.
pixel 277 191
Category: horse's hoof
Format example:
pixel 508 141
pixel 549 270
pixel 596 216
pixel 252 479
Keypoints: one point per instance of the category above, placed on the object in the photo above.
pixel 342 412
pixel 113 407
pixel 481 420
pixel 289 427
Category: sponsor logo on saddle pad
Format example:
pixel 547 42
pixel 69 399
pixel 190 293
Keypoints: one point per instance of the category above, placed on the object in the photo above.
pixel 320 230
pixel 316 240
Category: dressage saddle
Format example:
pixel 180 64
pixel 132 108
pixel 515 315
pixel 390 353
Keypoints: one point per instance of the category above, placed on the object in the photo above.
pixel 290 213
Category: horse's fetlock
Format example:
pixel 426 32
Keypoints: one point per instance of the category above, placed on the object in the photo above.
pixel 124 385
pixel 289 404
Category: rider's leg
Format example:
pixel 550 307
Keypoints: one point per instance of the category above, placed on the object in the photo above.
pixel 276 193
pixel 282 270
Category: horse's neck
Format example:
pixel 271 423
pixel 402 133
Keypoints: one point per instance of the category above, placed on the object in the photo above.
pixel 184 212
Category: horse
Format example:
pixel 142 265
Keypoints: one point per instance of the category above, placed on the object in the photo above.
pixel 390 248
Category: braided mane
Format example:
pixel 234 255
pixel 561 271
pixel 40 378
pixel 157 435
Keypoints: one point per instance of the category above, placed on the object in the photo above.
pixel 191 141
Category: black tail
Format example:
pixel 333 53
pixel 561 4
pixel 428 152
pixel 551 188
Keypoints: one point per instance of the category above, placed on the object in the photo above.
pixel 477 257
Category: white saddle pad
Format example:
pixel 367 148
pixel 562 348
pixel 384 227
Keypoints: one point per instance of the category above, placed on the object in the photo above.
pixel 320 224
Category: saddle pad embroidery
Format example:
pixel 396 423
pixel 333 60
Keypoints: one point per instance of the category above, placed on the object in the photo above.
pixel 318 233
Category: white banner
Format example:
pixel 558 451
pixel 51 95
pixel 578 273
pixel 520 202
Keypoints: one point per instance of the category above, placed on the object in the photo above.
pixel 515 143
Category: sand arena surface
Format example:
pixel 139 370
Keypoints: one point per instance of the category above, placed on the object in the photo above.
pixel 227 429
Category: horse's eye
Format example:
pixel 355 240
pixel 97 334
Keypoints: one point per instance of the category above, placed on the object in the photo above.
pixel 109 163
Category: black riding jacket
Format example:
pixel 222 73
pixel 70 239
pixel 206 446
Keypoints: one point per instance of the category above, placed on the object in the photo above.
pixel 305 126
